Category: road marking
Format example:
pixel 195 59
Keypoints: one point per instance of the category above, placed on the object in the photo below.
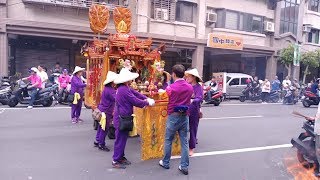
pixel 234 151
pixel 251 104
pixel 235 117
pixel 39 108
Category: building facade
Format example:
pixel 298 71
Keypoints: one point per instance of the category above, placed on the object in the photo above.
pixel 212 35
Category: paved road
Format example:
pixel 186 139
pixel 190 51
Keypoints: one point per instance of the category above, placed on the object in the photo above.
pixel 42 144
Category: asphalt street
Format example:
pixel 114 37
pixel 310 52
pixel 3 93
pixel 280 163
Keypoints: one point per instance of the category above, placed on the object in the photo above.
pixel 237 141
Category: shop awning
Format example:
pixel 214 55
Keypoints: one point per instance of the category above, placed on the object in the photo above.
pixel 192 1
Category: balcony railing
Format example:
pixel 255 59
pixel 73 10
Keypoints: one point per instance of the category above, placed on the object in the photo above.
pixel 70 3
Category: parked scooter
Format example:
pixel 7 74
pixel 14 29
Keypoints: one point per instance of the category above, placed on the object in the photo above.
pixel 249 93
pixel 44 96
pixel 309 99
pixel 290 97
pixel 305 145
pixel 274 97
pixel 5 90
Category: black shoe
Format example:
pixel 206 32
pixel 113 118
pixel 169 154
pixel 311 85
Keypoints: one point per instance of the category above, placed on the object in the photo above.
pixel 118 165
pixel 103 148
pixel 95 144
pixel 124 161
pixel 183 171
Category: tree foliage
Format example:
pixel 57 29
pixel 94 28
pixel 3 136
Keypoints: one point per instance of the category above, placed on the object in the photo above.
pixel 287 55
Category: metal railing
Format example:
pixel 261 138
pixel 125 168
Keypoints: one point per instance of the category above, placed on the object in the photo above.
pixel 71 3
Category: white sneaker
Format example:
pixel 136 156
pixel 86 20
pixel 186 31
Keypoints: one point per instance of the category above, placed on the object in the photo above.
pixel 29 107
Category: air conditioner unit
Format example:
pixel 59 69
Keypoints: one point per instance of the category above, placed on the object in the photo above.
pixel 268 26
pixel 161 14
pixel 212 17
pixel 306 29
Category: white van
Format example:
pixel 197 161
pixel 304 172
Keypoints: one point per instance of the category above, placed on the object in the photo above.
pixel 236 82
pixel 231 84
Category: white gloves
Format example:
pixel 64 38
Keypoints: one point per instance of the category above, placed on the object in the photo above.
pixel 161 91
pixel 151 102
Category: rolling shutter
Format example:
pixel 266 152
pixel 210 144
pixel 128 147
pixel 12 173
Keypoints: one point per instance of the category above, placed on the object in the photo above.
pixel 27 58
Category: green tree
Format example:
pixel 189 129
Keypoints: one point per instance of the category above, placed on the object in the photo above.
pixel 309 59
pixel 286 57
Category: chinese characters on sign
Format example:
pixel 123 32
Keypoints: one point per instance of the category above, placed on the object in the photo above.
pixel 224 42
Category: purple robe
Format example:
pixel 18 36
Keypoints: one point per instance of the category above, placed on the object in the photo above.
pixel 194 110
pixel 107 106
pixel 77 86
pixel 126 99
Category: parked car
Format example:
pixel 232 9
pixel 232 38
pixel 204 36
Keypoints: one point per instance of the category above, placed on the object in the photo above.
pixel 231 84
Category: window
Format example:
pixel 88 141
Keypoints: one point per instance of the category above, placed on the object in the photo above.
pixel 234 82
pixel 232 19
pixel 256 24
pixel 244 81
pixel 239 21
pixel 289 16
pixel 173 10
pixel 314 5
pixel 313 36
pixel 185 11
pixel 163 9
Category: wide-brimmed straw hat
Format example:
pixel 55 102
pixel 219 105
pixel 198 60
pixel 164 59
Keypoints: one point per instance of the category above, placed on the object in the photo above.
pixel 125 75
pixel 195 73
pixel 77 69
pixel 111 76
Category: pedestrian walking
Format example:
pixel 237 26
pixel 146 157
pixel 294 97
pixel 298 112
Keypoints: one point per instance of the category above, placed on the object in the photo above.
pixel 77 90
pixel 126 99
pixel 180 93
pixel 265 91
pixel 193 78
pixel 106 108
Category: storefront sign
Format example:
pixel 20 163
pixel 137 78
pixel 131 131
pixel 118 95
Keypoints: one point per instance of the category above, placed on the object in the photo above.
pixel 224 41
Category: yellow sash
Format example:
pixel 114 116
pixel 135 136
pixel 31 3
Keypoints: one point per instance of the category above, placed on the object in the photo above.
pixel 76 98
pixel 103 121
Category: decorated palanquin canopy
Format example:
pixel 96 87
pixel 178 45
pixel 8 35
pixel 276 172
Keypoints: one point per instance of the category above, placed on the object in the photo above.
pixel 111 53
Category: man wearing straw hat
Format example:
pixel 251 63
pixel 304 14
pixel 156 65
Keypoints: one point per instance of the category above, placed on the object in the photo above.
pixel 77 89
pixel 180 93
pixel 126 99
pixel 193 78
pixel 106 106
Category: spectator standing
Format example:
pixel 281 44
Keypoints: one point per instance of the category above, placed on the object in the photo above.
pixel 275 85
pixel 265 91
pixel 43 75
pixel 180 93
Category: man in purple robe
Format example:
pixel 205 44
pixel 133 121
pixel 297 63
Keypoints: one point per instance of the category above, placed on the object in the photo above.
pixel 126 99
pixel 106 106
pixel 180 93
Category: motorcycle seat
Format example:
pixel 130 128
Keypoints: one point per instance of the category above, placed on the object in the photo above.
pixel 44 90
